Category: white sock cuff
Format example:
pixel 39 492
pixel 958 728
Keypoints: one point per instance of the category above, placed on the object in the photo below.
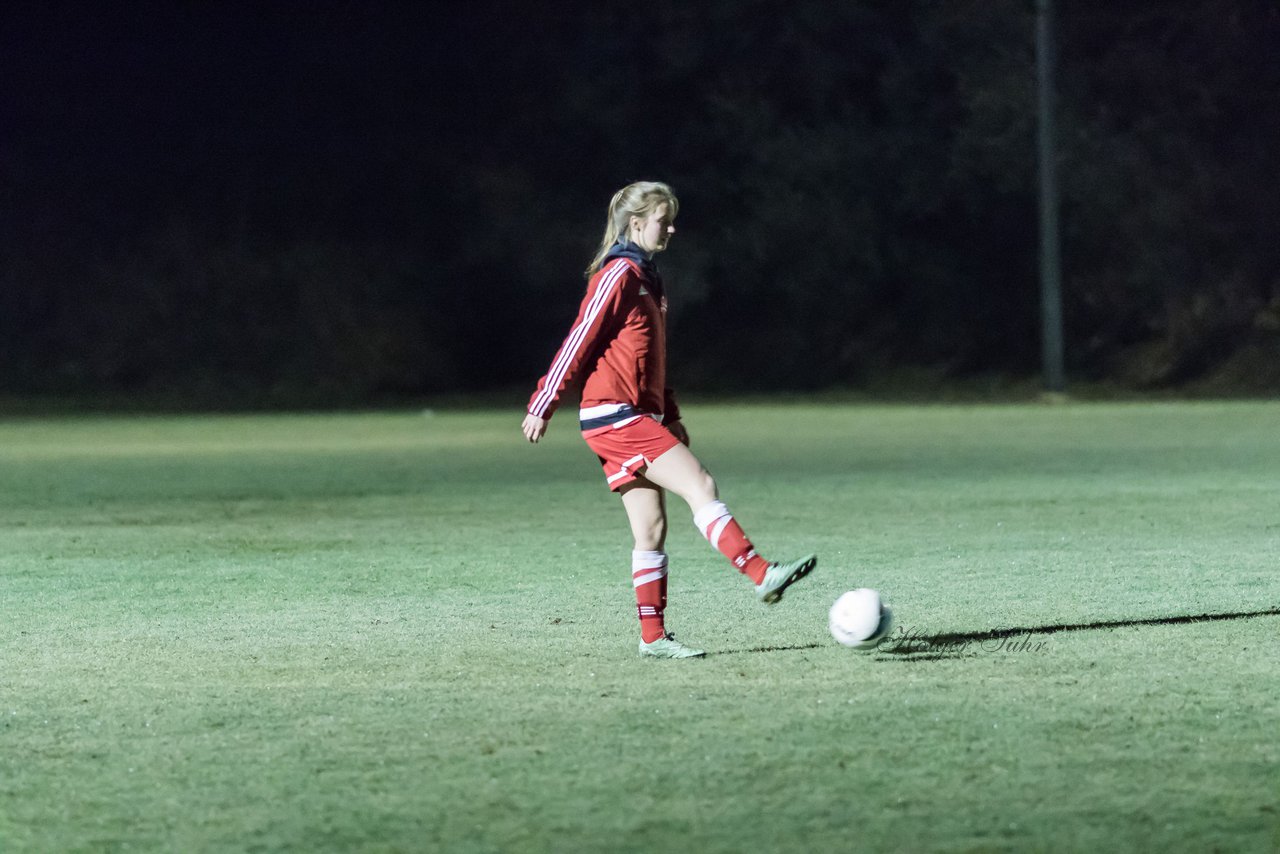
pixel 648 560
pixel 709 513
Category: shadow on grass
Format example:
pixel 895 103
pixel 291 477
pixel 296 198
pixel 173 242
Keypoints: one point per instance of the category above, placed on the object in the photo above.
pixel 906 644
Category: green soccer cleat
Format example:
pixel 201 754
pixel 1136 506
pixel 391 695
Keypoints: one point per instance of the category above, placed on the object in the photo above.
pixel 779 576
pixel 668 647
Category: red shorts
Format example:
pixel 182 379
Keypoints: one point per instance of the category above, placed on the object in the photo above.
pixel 625 451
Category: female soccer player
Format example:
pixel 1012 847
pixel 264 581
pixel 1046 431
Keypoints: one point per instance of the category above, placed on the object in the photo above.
pixel 616 349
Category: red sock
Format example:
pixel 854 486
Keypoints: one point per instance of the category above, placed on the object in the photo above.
pixel 649 575
pixel 721 530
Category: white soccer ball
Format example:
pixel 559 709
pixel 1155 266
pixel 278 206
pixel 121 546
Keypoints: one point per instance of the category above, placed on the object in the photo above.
pixel 858 619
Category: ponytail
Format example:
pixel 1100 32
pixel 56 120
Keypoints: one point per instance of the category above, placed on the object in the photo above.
pixel 638 199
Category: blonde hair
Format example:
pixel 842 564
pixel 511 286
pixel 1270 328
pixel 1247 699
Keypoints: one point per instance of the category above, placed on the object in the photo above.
pixel 639 199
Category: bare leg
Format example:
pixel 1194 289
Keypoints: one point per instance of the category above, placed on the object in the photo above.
pixel 679 471
pixel 646 508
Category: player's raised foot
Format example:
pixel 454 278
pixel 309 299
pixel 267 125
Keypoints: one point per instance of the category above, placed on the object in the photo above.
pixel 668 647
pixel 779 576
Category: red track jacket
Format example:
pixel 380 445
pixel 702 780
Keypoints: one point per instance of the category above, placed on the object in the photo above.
pixel 618 342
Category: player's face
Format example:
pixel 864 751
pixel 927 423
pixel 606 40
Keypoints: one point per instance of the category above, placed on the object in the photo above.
pixel 654 231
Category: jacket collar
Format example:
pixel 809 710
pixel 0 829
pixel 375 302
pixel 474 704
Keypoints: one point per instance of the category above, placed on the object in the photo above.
pixel 626 249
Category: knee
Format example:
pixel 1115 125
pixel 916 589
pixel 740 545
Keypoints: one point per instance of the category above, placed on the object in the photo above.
pixel 704 490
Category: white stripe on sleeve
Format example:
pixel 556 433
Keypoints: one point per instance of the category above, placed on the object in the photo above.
pixel 569 352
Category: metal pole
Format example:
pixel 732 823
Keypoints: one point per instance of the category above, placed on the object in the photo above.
pixel 1050 261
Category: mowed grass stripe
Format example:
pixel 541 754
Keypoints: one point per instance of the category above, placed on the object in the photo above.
pixel 413 632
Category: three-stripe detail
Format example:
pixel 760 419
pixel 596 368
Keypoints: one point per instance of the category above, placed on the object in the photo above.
pixel 569 352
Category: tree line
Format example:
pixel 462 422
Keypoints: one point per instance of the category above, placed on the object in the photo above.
pixel 858 196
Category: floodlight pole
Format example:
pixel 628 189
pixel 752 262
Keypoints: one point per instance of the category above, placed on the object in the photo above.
pixel 1050 258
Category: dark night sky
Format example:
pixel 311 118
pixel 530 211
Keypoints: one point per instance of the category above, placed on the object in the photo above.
pixel 323 115
pixel 119 110
pixel 862 170
pixel 397 128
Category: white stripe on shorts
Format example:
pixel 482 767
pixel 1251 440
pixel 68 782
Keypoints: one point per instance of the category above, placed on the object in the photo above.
pixel 625 469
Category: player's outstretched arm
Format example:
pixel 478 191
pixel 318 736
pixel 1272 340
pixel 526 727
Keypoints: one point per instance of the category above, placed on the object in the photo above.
pixel 534 428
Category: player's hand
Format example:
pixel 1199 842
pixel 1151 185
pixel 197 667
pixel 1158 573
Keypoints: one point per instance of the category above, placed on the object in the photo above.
pixel 534 428
pixel 677 430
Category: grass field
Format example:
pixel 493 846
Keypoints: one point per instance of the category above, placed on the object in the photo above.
pixel 412 632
